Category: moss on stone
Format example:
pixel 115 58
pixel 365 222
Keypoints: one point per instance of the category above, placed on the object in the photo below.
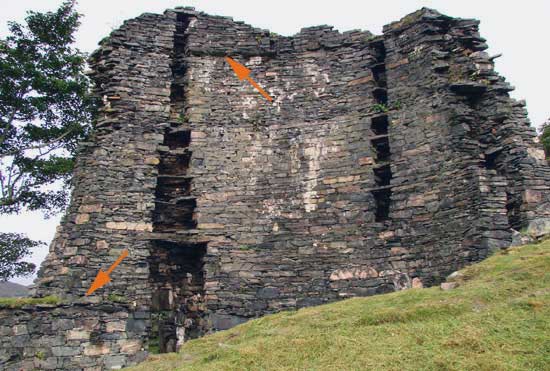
pixel 12 303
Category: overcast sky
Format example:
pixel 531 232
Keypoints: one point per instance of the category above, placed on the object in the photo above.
pixel 517 29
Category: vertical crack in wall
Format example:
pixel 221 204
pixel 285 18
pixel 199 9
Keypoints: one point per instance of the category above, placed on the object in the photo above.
pixel 177 272
pixel 380 139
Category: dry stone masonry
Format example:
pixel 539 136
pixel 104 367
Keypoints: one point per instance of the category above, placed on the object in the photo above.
pixel 383 163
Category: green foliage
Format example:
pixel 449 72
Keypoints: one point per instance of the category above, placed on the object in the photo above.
pixel 497 319
pixel 182 118
pixel 545 138
pixel 40 355
pixel 380 108
pixel 13 303
pixel 45 110
pixel 154 345
pixel 13 248
pixel 117 298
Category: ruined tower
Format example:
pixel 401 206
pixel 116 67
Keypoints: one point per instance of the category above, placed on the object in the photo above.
pixel 383 162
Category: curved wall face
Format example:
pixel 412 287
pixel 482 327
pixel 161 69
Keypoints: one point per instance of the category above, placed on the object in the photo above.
pixel 381 159
pixel 383 162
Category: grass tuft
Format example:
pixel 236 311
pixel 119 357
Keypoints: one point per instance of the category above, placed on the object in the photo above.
pixel 13 303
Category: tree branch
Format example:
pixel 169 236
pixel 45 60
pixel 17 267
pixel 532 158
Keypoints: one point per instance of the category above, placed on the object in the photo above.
pixel 40 146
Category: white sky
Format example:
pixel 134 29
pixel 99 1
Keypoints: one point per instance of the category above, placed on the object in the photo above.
pixel 518 29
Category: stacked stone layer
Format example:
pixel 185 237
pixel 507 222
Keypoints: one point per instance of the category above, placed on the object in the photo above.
pixel 384 162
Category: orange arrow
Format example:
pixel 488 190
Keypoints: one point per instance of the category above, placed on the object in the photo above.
pixel 103 278
pixel 244 73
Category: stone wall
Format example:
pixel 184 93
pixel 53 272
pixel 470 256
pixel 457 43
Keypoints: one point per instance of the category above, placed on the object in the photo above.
pixel 383 162
pixel 71 337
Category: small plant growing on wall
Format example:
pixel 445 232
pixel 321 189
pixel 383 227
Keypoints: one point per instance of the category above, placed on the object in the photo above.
pixel 380 108
pixel 183 118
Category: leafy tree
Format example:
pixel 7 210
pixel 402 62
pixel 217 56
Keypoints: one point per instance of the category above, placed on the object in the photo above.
pixel 545 137
pixel 13 248
pixel 45 110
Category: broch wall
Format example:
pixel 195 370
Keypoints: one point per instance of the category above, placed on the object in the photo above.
pixel 383 162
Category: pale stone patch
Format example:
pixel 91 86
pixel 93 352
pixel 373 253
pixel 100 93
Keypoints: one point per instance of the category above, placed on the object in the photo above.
pixel 130 226
pixel 338 245
pixel 354 273
pixel 309 196
pixel 20 329
pixel 537 154
pixel 82 218
pixel 361 80
pixel 532 196
pixel 96 350
pixel 398 251
pixel 342 179
pixel 198 135
pixel 129 346
pixel 102 245
pixel 255 61
pixel 151 160
pixel 366 161
pixel 385 235
pixel 416 201
pixel 93 208
pixel 78 334
pixel 417 283
pixel 116 326
pixel 210 226
pixel 398 63
pixel 416 151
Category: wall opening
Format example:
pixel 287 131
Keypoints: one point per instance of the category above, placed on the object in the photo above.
pixel 379 125
pixel 382 198
pixel 380 140
pixel 382 175
pixel 177 138
pixel 174 163
pixel 381 146
pixel 176 264
pixel 513 211
pixel 178 306
pixel 492 159
pixel 380 95
pixel 379 73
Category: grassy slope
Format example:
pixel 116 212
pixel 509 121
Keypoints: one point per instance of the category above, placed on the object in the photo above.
pixel 498 319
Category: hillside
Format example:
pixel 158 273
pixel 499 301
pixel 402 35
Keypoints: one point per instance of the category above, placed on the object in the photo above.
pixel 12 290
pixel 497 319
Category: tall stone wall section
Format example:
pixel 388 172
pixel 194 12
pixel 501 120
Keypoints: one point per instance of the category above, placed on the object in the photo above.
pixel 383 162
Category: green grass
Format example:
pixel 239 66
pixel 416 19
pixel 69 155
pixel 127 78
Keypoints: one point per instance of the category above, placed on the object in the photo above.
pixel 117 298
pixel 19 302
pixel 497 319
